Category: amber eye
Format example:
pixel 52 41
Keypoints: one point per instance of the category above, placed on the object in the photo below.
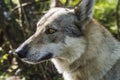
pixel 50 31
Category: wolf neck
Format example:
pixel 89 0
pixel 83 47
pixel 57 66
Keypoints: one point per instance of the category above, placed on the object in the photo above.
pixel 102 53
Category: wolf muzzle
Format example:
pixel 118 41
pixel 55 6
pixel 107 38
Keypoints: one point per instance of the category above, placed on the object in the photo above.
pixel 23 51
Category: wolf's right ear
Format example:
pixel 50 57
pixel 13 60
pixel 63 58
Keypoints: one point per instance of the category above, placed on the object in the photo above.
pixel 84 10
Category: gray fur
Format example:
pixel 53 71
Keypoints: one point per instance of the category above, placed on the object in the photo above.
pixel 113 73
pixel 80 48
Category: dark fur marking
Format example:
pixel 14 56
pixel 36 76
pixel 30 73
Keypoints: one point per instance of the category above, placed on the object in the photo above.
pixel 46 57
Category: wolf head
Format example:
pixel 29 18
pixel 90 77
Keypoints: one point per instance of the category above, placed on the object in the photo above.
pixel 59 34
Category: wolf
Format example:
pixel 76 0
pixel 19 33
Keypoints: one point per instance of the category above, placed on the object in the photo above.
pixel 79 47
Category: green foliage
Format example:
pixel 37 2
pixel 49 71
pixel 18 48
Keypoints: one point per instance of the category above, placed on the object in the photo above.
pixel 70 3
pixel 105 13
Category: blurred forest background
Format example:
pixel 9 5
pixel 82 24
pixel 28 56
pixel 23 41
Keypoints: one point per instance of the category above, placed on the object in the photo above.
pixel 18 20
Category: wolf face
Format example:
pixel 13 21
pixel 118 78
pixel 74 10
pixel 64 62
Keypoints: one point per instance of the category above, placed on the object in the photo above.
pixel 57 32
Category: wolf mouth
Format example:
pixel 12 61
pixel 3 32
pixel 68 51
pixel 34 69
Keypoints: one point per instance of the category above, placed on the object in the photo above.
pixel 42 59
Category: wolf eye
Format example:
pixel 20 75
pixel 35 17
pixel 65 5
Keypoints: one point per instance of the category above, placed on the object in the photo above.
pixel 50 31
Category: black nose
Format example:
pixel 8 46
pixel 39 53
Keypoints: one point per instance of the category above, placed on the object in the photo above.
pixel 22 51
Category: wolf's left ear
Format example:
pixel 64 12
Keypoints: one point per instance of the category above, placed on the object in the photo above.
pixel 84 10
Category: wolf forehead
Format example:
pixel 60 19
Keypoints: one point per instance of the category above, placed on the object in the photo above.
pixel 62 19
pixel 60 15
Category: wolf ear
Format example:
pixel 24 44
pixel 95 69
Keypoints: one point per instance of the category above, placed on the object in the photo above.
pixel 84 10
